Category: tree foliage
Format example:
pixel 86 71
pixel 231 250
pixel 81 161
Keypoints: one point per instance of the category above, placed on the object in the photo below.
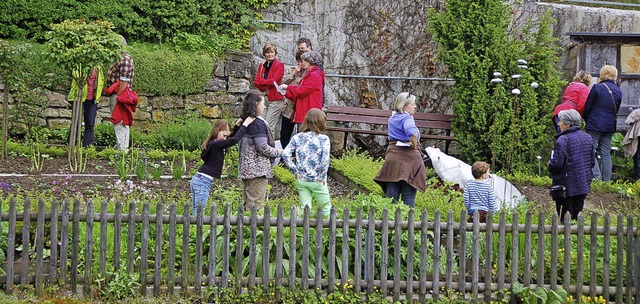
pixel 492 123
pixel 191 24
pixel 79 46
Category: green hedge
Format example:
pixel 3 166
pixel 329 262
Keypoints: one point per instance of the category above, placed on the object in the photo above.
pixel 166 71
pixel 187 24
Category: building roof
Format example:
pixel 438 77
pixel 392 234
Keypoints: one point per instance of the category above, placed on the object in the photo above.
pixel 605 38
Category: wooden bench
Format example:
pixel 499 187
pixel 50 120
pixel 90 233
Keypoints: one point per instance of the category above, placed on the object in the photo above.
pixel 346 116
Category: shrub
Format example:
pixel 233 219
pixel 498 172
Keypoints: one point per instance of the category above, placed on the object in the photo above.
pixel 187 134
pixel 104 135
pixel 166 71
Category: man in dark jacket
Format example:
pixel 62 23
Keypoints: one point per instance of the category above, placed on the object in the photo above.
pixel 571 161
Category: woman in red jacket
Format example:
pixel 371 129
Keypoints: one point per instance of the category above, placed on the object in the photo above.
pixel 269 72
pixel 308 93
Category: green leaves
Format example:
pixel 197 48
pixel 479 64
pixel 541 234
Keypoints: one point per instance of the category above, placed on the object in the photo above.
pixel 493 124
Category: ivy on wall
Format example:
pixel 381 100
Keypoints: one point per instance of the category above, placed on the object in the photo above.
pixel 493 124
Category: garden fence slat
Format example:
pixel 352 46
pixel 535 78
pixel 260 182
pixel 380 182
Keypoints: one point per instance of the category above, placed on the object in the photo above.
pixel 449 278
pixel 619 246
pixel 24 265
pixel 117 230
pixel 580 253
pixel 501 252
pixel 186 224
pixel 144 249
pixel 485 251
pixel 318 253
pixel 422 285
pixel 64 239
pixel 75 236
pixel 396 256
pixel 131 228
pixel 88 248
pixel 474 254
pixel 384 259
pixel 554 253
pixel 266 242
pixel 103 238
pixel 199 250
pixel 527 249
pixel 541 245
pixel 357 260
pixel 172 248
pixel 332 249
pixel 54 241
pixel 39 248
pixel 11 243
pixel 157 265
pixel 344 273
pixel 225 245
pixel 305 248
pixel 279 248
pixel 566 278
pixel 593 253
pixel 213 241
pixel 462 281
pixel 252 248
pixel 410 252
pixel 293 231
pixel 369 260
pixel 436 252
pixel 488 262
pixel 239 246
pixel 515 247
pixel 606 257
pixel 629 256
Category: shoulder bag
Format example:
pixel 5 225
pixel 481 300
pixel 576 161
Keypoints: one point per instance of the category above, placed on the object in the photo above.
pixel 615 107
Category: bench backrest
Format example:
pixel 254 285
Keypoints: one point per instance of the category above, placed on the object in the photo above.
pixel 381 117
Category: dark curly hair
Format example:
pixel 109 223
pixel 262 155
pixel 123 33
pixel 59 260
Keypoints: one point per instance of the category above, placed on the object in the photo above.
pixel 250 104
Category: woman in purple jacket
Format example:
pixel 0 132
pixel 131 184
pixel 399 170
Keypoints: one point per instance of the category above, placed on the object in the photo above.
pixel 571 162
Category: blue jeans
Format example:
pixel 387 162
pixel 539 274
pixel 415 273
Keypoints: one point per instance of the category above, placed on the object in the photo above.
pixel 602 145
pixel 89 111
pixel 401 188
pixel 200 186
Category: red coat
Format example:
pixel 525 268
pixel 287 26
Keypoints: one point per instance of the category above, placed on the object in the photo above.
pixel 266 84
pixel 124 108
pixel 307 94
pixel 574 97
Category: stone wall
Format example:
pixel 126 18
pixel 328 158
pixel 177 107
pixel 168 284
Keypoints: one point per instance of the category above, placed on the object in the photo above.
pixel 232 78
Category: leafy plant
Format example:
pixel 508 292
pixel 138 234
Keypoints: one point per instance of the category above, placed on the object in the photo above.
pixel 122 285
pixel 540 294
pixel 492 123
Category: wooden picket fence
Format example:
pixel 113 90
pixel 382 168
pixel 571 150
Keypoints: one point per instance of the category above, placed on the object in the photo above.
pixel 365 251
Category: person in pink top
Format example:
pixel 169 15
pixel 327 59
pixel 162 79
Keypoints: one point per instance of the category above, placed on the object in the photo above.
pixel 574 97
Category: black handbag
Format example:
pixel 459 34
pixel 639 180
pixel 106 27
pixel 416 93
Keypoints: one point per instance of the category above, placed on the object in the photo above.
pixel 558 192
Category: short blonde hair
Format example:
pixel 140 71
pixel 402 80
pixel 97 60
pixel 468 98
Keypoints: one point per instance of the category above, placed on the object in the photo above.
pixel 402 100
pixel 608 72
pixel 583 77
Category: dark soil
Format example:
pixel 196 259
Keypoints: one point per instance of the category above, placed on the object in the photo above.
pixel 64 185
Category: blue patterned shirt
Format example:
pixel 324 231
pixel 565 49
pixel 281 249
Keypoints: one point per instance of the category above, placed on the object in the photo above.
pixel 479 196
pixel 307 155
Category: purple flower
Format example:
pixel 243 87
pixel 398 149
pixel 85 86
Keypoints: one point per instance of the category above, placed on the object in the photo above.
pixel 5 187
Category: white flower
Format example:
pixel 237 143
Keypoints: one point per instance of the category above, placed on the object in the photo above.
pixel 515 92
pixel 496 80
pixel 497 74
pixel 522 61
pixel 535 85
pixel 516 76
